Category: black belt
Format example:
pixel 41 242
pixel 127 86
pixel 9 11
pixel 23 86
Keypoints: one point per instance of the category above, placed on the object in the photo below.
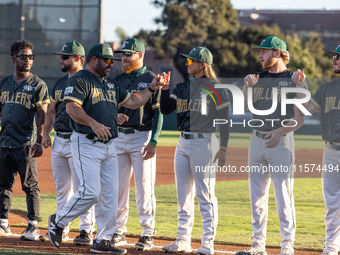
pixel 261 135
pixel 94 138
pixel 65 136
pixel 191 136
pixel 126 130
pixel 334 146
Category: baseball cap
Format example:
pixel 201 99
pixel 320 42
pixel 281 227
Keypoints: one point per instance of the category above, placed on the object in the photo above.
pixel 72 48
pixel 132 44
pixel 201 54
pixel 101 50
pixel 272 42
pixel 332 53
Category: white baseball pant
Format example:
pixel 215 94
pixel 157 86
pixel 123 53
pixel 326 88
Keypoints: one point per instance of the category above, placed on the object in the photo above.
pixel 331 193
pixel 280 157
pixel 66 181
pixel 190 154
pixel 129 154
pixel 96 166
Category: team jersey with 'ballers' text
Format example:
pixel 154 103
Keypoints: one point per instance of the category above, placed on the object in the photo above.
pixel 263 99
pixel 141 118
pixel 99 97
pixel 327 99
pixel 188 96
pixel 18 108
pixel 62 119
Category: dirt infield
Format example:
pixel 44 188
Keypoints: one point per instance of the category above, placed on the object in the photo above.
pixel 237 157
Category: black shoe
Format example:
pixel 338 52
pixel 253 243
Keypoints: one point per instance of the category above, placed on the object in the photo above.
pixel 55 233
pixel 105 246
pixel 144 243
pixel 83 239
pixel 118 240
pixel 31 233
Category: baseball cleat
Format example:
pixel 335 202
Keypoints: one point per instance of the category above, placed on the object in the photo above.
pixel 31 233
pixel 83 239
pixel 203 250
pixel 177 246
pixel 44 238
pixel 118 240
pixel 55 233
pixel 144 243
pixel 105 246
pixel 255 249
pixel 5 231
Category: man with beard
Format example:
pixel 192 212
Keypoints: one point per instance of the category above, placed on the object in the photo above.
pixel 136 143
pixel 92 103
pixel 22 95
pixel 327 100
pixel 272 145
pixel 66 180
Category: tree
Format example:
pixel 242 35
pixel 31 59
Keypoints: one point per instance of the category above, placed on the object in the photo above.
pixel 122 34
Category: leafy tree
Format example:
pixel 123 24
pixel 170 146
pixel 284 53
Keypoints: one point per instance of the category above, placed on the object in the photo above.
pixel 121 34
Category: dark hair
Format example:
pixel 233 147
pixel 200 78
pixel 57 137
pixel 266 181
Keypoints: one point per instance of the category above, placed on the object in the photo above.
pixel 20 44
pixel 88 60
pixel 82 60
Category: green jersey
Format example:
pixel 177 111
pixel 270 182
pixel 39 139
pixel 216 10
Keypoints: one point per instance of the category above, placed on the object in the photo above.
pixel 99 97
pixel 18 108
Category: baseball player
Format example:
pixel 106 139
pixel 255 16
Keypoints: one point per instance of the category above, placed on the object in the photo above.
pixel 92 103
pixel 138 131
pixel 22 95
pixel 195 148
pixel 272 145
pixel 72 58
pixel 327 100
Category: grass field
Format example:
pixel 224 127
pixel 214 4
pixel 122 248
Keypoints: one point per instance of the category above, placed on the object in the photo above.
pixel 234 214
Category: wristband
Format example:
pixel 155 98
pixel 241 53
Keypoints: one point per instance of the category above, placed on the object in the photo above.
pixel 223 150
pixel 38 143
pixel 151 90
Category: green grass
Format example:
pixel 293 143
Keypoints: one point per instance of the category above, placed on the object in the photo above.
pixel 241 140
pixel 17 251
pixel 234 225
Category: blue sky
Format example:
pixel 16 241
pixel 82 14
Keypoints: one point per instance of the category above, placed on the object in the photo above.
pixel 132 15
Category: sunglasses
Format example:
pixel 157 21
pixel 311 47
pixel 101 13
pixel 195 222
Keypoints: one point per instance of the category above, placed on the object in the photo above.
pixel 65 57
pixel 336 57
pixel 191 61
pixel 129 53
pixel 108 61
pixel 24 57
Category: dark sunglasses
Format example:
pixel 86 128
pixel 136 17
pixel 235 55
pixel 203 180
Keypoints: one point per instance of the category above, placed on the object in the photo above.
pixel 65 57
pixel 108 61
pixel 24 57
pixel 336 57
pixel 129 53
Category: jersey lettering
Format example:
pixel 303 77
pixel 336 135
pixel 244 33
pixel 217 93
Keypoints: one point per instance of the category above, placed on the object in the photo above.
pixel 183 105
pixel 57 95
pixel 17 98
pixel 265 94
pixel 331 104
pixel 98 96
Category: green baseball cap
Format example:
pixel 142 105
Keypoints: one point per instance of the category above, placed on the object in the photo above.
pixel 132 44
pixel 273 43
pixel 332 53
pixel 72 48
pixel 201 54
pixel 101 50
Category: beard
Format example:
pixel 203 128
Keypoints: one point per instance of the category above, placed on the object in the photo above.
pixel 67 68
pixel 103 70
pixel 268 64
pixel 134 65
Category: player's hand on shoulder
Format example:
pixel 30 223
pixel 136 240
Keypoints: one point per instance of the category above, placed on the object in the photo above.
pixel 122 118
pixel 46 141
pixel 298 77
pixel 274 138
pixel 221 157
pixel 37 150
pixel 251 79
pixel 149 151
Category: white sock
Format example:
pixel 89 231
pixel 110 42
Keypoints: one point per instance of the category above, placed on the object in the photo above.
pixel 33 222
pixel 4 222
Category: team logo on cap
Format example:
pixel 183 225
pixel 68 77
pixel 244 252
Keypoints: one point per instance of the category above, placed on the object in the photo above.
pixel 194 49
pixel 68 90
pixel 125 42
pixel 142 85
pixel 28 88
pixel 111 85
pixel 263 41
pixel 111 52
pixel 65 46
